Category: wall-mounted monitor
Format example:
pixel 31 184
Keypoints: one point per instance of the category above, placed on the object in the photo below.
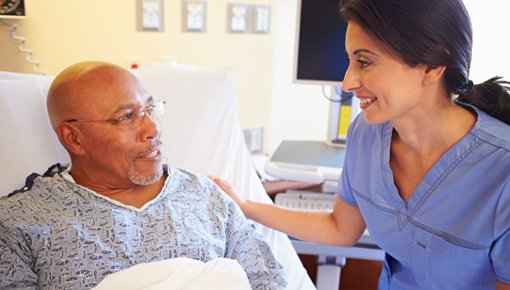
pixel 320 55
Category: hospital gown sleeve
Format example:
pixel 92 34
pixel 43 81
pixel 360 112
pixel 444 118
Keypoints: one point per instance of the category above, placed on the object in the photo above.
pixel 500 253
pixel 252 252
pixel 16 262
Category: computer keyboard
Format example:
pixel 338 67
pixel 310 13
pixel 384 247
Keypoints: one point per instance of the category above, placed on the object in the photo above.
pixel 306 200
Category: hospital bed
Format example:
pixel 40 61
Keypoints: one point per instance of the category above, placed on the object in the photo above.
pixel 201 132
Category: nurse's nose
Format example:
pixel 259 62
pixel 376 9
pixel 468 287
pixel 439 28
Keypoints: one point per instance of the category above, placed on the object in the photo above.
pixel 351 80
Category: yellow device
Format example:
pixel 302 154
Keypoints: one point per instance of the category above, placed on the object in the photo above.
pixel 342 109
pixel 344 119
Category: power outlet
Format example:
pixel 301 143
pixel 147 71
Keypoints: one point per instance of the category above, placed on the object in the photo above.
pixel 254 139
pixel 244 18
pixel 150 15
pixel 261 18
pixel 238 17
pixel 193 16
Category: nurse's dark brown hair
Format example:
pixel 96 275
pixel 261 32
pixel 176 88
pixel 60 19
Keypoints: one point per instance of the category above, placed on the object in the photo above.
pixel 435 33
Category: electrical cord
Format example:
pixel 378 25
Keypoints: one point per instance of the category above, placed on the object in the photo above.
pixel 28 52
pixel 344 97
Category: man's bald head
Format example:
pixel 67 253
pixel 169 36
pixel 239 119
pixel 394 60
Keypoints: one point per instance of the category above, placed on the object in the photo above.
pixel 103 116
pixel 75 88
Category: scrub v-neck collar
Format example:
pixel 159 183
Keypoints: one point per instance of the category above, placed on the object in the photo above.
pixel 434 177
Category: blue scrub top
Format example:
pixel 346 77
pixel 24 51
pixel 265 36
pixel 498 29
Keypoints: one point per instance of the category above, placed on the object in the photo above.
pixel 454 232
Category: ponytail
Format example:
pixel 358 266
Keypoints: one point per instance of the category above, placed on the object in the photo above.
pixel 491 96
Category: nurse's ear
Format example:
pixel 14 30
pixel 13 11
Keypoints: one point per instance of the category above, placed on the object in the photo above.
pixel 432 74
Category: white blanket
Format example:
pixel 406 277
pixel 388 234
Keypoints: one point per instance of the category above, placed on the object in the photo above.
pixel 179 273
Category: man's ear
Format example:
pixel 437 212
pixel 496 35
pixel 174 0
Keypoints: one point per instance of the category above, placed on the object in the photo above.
pixel 433 74
pixel 69 136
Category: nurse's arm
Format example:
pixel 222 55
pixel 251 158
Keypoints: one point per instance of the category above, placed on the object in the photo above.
pixel 501 286
pixel 342 227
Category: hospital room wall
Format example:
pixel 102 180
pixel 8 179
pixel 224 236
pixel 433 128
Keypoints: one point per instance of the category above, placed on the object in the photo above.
pixel 62 32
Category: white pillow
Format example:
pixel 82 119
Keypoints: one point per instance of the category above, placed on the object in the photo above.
pixel 28 143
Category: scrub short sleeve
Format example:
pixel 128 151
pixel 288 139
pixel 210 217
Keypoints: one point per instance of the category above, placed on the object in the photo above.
pixel 345 190
pixel 343 183
pixel 500 255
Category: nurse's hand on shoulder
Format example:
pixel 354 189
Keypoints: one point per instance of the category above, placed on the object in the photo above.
pixel 226 187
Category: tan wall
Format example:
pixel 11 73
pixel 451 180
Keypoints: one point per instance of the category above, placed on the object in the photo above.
pixel 62 32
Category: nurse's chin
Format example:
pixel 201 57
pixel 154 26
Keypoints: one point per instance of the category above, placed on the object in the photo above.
pixel 373 119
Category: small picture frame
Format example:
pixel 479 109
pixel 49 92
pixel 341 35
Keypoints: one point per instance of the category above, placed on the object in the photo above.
pixel 13 9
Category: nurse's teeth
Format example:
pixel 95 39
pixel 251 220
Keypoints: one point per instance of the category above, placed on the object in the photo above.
pixel 367 100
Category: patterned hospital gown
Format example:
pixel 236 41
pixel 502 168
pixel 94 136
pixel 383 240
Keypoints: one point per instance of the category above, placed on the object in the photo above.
pixel 59 235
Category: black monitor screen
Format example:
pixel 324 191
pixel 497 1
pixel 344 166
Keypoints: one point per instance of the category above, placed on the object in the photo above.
pixel 320 39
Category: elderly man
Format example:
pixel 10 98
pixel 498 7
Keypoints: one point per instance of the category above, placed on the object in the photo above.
pixel 118 204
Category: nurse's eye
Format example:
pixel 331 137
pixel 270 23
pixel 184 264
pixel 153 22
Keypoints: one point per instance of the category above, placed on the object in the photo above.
pixel 363 64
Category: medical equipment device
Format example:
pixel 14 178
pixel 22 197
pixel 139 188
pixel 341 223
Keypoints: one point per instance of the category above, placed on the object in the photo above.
pixel 306 200
pixel 320 56
pixel 313 162
pixel 331 259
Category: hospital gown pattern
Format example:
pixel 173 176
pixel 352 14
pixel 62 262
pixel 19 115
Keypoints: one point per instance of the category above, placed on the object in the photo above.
pixel 60 235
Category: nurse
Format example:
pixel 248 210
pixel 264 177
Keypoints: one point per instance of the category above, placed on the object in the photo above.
pixel 427 168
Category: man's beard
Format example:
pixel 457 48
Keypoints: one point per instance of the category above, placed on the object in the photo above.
pixel 143 179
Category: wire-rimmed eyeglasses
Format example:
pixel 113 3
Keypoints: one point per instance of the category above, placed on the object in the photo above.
pixel 133 117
